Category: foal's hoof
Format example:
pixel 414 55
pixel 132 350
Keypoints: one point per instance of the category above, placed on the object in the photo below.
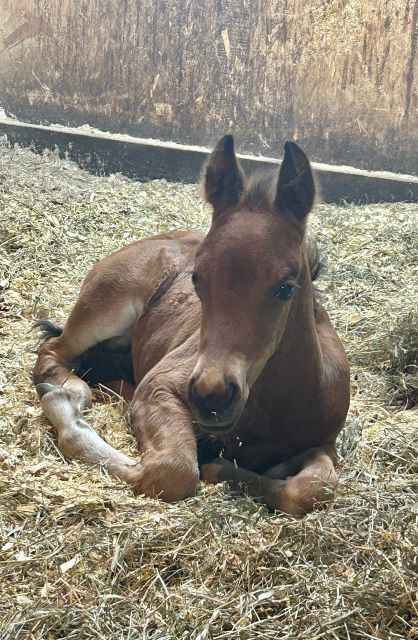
pixel 44 387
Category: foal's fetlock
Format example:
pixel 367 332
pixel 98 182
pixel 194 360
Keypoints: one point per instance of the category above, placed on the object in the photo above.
pixel 167 478
pixel 44 387
pixel 58 404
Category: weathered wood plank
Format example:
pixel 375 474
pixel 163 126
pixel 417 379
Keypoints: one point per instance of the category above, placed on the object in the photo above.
pixel 341 77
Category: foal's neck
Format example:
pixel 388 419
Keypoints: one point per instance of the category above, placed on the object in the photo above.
pixel 298 354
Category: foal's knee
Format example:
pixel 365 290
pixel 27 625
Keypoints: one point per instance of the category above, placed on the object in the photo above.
pixel 168 478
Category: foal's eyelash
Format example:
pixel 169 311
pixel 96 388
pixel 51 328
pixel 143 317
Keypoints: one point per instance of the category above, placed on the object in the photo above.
pixel 293 283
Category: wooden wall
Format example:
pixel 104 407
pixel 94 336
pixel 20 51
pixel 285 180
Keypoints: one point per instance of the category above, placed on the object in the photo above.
pixel 340 76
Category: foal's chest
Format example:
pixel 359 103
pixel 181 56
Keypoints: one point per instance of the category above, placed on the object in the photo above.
pixel 260 443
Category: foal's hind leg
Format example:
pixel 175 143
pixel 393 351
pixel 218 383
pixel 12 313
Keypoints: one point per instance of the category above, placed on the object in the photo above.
pixel 113 297
pixel 312 480
pixel 63 394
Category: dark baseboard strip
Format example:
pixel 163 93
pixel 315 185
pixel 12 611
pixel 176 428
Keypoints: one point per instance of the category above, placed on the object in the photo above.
pixel 143 159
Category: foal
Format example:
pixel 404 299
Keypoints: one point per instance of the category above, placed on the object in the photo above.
pixel 237 372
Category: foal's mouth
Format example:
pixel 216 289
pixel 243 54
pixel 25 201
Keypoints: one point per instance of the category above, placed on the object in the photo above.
pixel 217 426
pixel 217 429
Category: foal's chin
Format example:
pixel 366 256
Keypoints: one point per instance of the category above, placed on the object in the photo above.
pixel 218 426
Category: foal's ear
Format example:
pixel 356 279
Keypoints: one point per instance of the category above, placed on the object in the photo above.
pixel 223 178
pixel 296 186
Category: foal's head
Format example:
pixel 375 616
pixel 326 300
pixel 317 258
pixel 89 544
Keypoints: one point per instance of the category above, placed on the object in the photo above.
pixel 245 274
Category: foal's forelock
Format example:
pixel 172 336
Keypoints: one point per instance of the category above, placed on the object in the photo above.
pixel 260 190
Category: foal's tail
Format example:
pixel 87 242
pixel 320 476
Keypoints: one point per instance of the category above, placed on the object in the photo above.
pixel 47 329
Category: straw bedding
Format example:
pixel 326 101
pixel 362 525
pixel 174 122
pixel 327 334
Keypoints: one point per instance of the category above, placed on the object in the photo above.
pixel 81 558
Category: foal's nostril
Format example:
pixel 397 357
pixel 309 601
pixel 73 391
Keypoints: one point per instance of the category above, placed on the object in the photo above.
pixel 231 392
pixel 190 387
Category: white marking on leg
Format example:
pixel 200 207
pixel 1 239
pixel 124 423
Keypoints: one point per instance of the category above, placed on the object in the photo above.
pixel 76 439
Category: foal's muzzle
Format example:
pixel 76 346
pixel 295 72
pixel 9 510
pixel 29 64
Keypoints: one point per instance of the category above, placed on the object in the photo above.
pixel 218 409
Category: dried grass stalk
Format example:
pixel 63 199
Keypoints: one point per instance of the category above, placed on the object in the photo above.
pixel 81 558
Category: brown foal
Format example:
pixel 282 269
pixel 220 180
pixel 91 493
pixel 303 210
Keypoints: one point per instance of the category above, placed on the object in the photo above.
pixel 236 371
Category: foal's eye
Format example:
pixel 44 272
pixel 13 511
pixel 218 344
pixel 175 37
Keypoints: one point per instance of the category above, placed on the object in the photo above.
pixel 195 281
pixel 284 291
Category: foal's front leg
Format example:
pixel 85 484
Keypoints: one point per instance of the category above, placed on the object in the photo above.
pixel 312 479
pixel 162 425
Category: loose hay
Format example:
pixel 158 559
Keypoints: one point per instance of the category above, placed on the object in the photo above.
pixel 82 558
